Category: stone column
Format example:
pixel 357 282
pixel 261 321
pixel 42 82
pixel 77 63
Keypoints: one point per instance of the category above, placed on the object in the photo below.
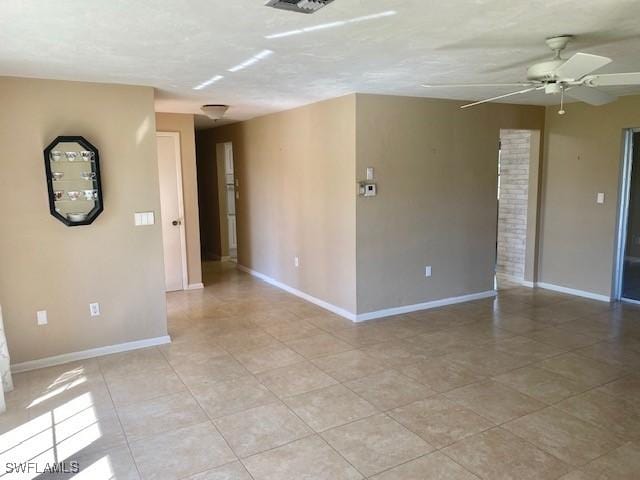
pixel 5 370
pixel 512 210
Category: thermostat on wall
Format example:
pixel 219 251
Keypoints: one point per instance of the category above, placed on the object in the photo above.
pixel 368 189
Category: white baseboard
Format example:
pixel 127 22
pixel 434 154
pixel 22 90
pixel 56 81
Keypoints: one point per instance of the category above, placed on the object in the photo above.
pixel 567 290
pixel 361 317
pixel 84 354
pixel 572 291
pixel 195 286
pixel 298 293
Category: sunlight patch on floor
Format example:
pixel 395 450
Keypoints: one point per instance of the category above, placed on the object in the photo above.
pixel 58 433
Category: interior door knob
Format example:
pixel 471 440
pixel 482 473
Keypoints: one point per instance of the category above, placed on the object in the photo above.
pixel 176 223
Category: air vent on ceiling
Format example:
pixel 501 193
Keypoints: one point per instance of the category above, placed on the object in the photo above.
pixel 302 6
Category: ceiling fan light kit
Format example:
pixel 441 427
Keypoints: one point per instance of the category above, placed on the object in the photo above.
pixel 573 77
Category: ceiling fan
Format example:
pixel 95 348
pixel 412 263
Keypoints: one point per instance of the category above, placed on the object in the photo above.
pixel 572 77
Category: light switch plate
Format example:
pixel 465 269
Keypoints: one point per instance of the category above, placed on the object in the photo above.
pixel 369 173
pixel 427 271
pixel 600 198
pixel 144 218
pixel 296 261
pixel 41 316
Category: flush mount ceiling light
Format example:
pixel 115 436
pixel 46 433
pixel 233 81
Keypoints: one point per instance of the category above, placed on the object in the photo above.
pixel 301 6
pixel 214 112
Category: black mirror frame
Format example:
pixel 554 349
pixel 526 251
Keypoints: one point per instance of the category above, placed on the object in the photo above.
pixel 99 206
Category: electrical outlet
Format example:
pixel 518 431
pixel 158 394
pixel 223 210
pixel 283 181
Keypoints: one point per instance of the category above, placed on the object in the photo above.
pixel 296 262
pixel 94 309
pixel 427 271
pixel 41 316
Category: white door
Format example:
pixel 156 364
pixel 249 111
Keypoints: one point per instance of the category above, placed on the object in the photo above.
pixel 228 159
pixel 233 241
pixel 172 212
pixel 231 194
pixel 231 199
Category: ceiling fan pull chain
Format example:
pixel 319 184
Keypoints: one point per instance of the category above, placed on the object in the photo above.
pixel 561 111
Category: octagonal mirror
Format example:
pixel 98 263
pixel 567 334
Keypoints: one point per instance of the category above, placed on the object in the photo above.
pixel 73 177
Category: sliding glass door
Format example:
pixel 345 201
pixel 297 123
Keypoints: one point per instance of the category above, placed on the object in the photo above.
pixel 630 284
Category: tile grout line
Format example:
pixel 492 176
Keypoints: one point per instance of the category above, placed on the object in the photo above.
pixel 318 434
pixel 355 347
pixel 206 414
pixel 313 432
pixel 424 456
pixel 277 398
pixel 115 408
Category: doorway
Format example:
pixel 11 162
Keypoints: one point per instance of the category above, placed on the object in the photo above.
pixel 228 194
pixel 627 268
pixel 172 210
pixel 514 158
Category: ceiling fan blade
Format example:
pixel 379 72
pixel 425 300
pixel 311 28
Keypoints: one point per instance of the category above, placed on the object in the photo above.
pixel 613 79
pixel 590 95
pixel 579 65
pixel 526 90
pixel 476 85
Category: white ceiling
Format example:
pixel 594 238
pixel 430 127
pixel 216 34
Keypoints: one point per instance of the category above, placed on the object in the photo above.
pixel 175 45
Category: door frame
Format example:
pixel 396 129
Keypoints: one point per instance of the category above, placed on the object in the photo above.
pixel 180 190
pixel 228 151
pixel 534 192
pixel 626 167
pixel 222 149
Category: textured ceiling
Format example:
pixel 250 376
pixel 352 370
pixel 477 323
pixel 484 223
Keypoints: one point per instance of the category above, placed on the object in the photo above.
pixel 175 46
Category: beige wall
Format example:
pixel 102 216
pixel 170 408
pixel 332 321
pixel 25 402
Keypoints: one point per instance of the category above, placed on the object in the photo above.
pixel 436 169
pixel 45 265
pixel 297 197
pixel 582 158
pixel 183 124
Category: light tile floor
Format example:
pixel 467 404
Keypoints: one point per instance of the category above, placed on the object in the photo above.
pixel 258 384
